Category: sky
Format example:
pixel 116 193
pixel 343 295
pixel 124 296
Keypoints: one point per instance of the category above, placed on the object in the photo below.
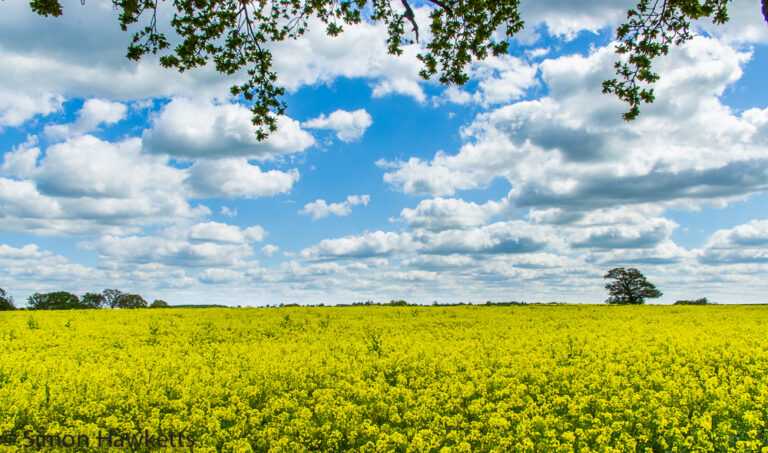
pixel 523 185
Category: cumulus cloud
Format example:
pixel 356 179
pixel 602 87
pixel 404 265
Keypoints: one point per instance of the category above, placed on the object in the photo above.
pixel 268 250
pixel 319 209
pixel 93 113
pixel 499 80
pixel 216 232
pixel 156 249
pixel 349 126
pixel 368 245
pixel 359 52
pixel 570 150
pixel 22 160
pixel 219 275
pixel 203 129
pixel 449 213
pixel 81 186
pixel 237 178
pixel 741 244
pixel 498 238
pixel 645 235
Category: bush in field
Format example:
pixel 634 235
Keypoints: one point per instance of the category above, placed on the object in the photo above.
pixel 702 301
pixel 6 301
pixel 158 303
pixel 58 300
pixel 130 301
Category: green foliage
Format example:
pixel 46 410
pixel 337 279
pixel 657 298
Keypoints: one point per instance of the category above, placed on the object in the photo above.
pixel 702 301
pixel 130 301
pixel 58 300
pixel 157 303
pixel 93 300
pixel 111 296
pixel 629 287
pixel 6 301
pixel 237 34
pixel 650 29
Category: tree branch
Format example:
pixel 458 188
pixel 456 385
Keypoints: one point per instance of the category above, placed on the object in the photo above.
pixel 408 14
pixel 450 10
pixel 765 10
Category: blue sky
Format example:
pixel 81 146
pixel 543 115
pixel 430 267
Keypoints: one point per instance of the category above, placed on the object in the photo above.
pixel 525 184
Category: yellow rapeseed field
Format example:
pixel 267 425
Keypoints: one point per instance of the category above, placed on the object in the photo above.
pixel 437 379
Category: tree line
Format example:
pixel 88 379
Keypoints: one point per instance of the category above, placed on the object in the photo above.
pixel 625 287
pixel 63 300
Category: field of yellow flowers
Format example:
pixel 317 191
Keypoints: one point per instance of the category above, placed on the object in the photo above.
pixel 441 379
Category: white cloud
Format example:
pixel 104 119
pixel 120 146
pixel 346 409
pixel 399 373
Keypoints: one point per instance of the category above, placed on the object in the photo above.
pixel 237 178
pixel 217 232
pixel 155 249
pixel 644 235
pixel 219 275
pixel 93 113
pixel 741 244
pixel 498 238
pixel 571 150
pixel 499 80
pixel 319 209
pixel 268 250
pixel 203 129
pixel 229 212
pixel 16 108
pixel 22 160
pixel 360 51
pixel 81 186
pixel 349 126
pixel 441 214
pixel 368 245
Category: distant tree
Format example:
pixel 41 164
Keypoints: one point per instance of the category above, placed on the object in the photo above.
pixel 157 303
pixel 397 303
pixel 111 296
pixel 629 287
pixel 93 300
pixel 6 301
pixel 130 301
pixel 58 300
pixel 702 301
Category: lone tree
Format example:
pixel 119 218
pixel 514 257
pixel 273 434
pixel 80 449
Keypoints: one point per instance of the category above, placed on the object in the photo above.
pixel 6 301
pixel 629 287
pixel 237 34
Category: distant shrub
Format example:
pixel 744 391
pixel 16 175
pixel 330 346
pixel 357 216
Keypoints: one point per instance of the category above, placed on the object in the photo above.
pixel 6 301
pixel 397 303
pixel 702 301
pixel 157 303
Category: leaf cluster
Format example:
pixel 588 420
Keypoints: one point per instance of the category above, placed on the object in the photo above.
pixel 650 29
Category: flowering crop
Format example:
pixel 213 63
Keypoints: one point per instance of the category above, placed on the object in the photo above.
pixel 421 379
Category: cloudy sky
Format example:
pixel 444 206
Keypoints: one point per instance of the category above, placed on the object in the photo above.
pixel 525 184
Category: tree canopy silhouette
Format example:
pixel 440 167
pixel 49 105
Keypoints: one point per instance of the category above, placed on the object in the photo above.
pixel 629 287
pixel 235 34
